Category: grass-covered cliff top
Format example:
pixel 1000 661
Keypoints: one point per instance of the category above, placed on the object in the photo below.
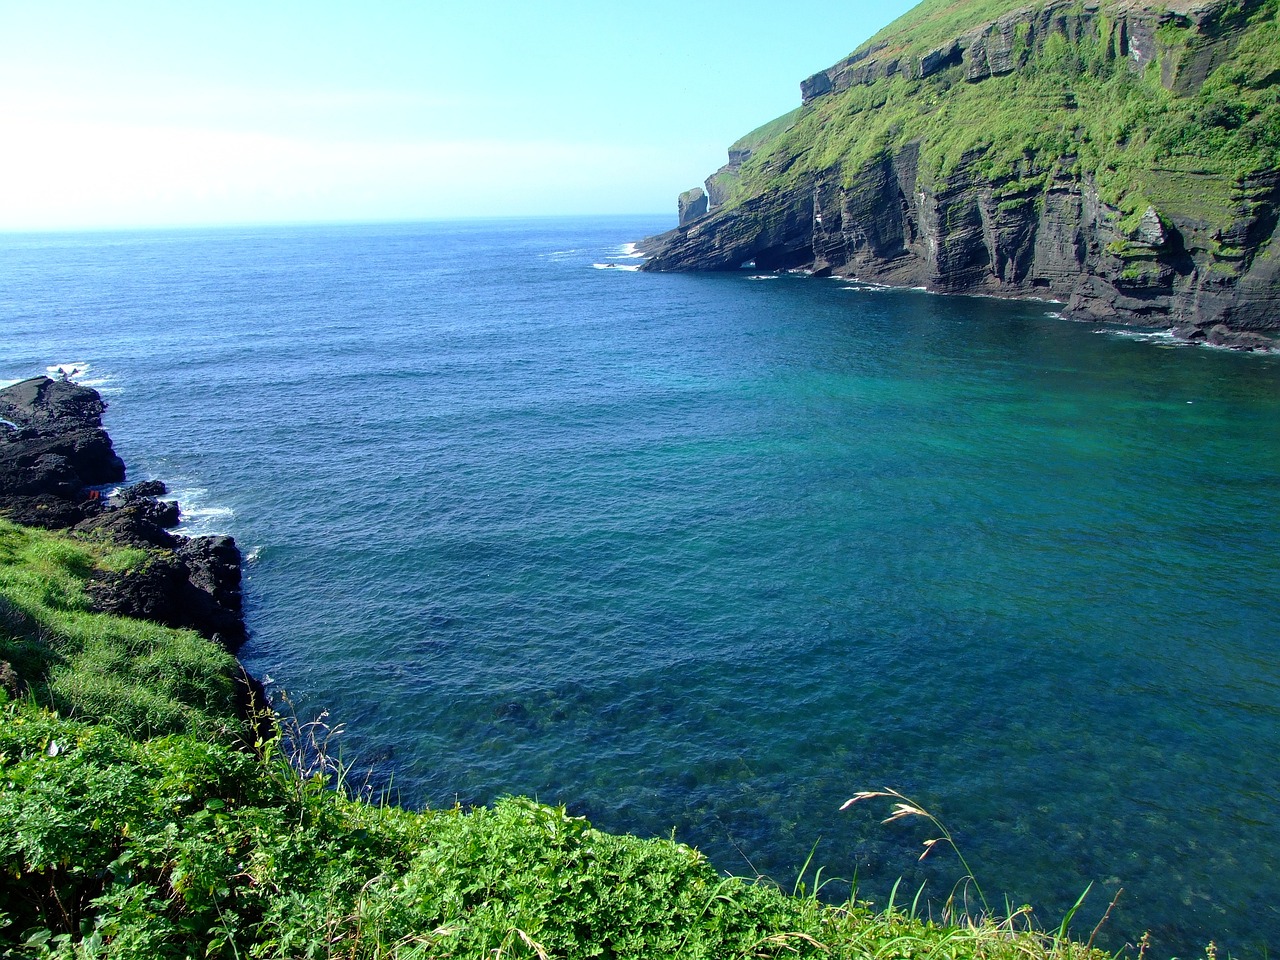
pixel 932 23
pixel 137 819
pixel 1183 131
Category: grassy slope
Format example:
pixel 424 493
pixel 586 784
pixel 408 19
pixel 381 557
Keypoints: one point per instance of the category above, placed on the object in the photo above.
pixel 118 842
pixel 141 676
pixel 1143 144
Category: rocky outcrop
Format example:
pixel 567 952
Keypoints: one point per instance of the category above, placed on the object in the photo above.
pixel 1043 228
pixel 691 205
pixel 52 447
pixel 55 454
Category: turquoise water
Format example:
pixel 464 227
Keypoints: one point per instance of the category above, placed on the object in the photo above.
pixel 712 553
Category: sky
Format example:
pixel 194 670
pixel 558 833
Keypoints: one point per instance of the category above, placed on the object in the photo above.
pixel 119 113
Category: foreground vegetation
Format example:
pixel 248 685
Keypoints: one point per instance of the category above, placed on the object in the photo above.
pixel 148 822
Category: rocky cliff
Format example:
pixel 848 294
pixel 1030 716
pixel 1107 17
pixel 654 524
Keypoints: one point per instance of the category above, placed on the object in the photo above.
pixel 1121 157
pixel 54 454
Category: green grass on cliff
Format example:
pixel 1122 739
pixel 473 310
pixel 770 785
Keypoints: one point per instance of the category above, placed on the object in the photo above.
pixel 177 847
pixel 116 842
pixel 1076 108
pixel 139 675
pixel 928 25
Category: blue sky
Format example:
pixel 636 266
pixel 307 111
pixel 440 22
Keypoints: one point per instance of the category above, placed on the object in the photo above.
pixel 148 114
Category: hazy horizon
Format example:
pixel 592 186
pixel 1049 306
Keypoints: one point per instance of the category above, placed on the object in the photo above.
pixel 144 115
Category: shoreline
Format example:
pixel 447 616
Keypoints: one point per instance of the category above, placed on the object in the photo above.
pixel 56 458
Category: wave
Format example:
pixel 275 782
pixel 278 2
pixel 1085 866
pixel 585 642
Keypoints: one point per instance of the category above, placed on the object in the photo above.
pixel 77 371
pixel 763 276
pixel 1162 338
pixel 73 370
pixel 629 267
pixel 199 517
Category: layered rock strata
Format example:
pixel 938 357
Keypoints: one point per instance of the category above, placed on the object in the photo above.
pixel 1044 231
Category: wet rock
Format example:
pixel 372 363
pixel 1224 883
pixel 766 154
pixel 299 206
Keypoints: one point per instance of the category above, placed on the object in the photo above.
pixel 1221 335
pixel 142 490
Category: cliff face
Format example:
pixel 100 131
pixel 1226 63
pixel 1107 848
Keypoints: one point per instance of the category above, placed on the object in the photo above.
pixel 1122 158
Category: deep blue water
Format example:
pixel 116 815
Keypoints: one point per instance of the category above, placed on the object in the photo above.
pixel 712 553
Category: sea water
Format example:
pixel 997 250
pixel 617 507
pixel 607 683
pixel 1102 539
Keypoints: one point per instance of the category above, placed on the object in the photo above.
pixel 702 554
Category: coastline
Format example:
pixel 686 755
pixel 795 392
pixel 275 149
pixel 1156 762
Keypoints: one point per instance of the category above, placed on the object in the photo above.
pixel 59 471
pixel 136 838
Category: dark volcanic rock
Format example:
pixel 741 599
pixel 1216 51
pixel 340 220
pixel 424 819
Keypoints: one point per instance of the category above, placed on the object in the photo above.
pixel 196 586
pixel 46 510
pixel 134 525
pixel 213 567
pixel 59 406
pixel 52 446
pixel 142 490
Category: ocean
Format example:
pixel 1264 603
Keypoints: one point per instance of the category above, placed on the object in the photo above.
pixel 712 553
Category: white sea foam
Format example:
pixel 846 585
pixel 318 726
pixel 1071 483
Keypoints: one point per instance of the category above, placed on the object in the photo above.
pixel 630 267
pixel 764 276
pixel 77 371
pixel 74 370
pixel 1146 336
pixel 629 251
pixel 199 517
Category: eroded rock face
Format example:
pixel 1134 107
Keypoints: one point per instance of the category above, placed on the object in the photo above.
pixel 691 205
pixel 1043 231
pixel 887 227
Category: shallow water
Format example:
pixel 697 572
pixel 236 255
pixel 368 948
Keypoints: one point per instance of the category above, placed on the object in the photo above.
pixel 712 554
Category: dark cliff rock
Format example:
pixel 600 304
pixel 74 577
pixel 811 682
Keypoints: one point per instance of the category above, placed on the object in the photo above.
pixel 1184 245
pixel 691 205
pixel 52 446
pixel 52 451
pixel 196 586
